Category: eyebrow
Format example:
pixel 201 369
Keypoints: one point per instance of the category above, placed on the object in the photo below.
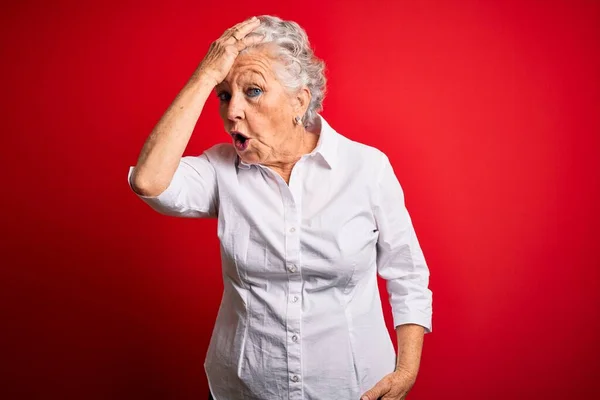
pixel 251 75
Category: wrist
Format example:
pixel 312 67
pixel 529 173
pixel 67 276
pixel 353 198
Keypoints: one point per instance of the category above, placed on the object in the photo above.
pixel 406 372
pixel 203 77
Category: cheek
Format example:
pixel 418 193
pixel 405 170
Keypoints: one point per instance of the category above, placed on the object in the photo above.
pixel 277 109
pixel 268 115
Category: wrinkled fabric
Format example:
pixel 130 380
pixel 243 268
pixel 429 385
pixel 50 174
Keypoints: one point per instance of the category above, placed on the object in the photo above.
pixel 301 316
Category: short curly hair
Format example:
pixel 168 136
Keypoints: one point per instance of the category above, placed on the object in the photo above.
pixel 301 66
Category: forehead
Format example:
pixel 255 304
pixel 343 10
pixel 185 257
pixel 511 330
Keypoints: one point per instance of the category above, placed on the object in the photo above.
pixel 255 64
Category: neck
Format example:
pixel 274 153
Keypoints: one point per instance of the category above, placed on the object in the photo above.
pixel 306 140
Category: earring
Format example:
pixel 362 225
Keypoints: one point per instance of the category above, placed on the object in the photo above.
pixel 297 120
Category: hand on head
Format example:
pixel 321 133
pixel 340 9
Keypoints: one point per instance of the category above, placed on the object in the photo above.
pixel 223 51
pixel 266 95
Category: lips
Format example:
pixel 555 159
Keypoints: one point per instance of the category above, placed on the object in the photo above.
pixel 240 141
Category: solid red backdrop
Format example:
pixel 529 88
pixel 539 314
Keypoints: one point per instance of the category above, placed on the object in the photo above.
pixel 489 112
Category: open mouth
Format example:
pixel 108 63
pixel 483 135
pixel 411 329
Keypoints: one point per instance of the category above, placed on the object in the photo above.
pixel 240 141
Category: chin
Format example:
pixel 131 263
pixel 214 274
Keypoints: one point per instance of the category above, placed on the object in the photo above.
pixel 248 157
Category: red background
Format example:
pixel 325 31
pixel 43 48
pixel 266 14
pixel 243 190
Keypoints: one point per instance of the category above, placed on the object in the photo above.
pixel 489 111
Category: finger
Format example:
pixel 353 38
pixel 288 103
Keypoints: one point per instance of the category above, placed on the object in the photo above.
pixel 244 23
pixel 381 388
pixel 239 30
pixel 247 22
pixel 245 28
pixel 248 41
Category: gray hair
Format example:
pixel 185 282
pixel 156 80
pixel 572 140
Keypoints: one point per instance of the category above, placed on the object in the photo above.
pixel 301 68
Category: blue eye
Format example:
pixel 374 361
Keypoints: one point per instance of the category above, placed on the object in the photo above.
pixel 224 96
pixel 253 92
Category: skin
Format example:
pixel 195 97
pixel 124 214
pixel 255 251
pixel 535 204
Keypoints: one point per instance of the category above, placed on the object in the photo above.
pixel 266 116
pixel 395 386
pixel 254 103
pixel 164 147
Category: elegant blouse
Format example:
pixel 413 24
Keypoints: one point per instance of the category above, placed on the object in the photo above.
pixel 301 316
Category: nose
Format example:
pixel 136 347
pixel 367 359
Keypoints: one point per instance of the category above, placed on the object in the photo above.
pixel 235 108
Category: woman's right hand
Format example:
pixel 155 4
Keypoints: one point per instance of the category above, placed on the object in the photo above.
pixel 223 51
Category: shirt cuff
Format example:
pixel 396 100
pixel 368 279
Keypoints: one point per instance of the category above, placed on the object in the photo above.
pixel 415 318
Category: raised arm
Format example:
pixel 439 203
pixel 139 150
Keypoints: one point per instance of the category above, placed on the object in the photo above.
pixel 161 154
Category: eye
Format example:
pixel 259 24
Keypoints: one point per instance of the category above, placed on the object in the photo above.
pixel 224 96
pixel 253 92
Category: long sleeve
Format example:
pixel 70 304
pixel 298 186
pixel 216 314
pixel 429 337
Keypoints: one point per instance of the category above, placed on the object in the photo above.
pixel 192 192
pixel 400 260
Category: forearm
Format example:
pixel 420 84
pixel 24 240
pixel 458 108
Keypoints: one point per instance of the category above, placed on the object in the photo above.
pixel 410 346
pixel 166 143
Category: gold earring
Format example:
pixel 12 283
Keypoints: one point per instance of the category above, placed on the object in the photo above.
pixel 297 120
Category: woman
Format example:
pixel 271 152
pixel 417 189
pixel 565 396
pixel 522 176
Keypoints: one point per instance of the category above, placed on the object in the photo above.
pixel 306 220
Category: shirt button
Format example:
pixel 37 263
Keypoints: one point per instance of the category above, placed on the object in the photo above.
pixel 292 268
pixel 294 299
pixel 295 378
pixel 292 230
pixel 295 338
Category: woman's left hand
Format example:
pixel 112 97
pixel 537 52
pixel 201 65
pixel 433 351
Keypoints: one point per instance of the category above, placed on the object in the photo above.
pixel 394 386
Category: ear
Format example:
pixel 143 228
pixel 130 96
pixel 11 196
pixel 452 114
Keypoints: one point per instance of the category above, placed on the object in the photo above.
pixel 302 100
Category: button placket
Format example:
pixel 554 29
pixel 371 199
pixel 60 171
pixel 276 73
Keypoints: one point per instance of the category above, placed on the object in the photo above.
pixel 294 311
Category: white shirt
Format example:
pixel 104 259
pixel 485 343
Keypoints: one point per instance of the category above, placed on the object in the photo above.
pixel 301 315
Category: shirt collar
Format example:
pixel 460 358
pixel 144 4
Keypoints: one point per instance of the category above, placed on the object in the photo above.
pixel 326 145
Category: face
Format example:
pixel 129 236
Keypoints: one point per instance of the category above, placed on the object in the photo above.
pixel 257 111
